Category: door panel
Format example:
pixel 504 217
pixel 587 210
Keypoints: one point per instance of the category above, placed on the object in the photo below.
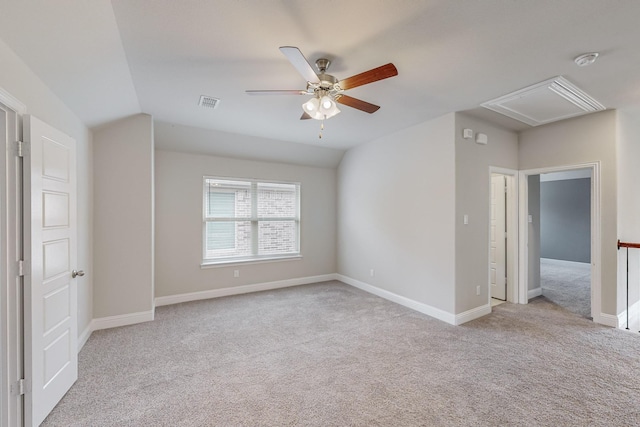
pixel 497 267
pixel 51 361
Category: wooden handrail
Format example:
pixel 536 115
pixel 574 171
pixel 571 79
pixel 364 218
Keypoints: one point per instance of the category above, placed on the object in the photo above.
pixel 628 245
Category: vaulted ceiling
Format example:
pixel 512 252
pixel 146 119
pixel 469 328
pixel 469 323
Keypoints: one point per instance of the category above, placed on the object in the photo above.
pixel 107 60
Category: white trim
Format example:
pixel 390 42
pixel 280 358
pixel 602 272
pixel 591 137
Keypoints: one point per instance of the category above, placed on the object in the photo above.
pixel 523 238
pixel 596 238
pixel 85 335
pixel 609 320
pixel 560 86
pixel 472 314
pixel 634 314
pixel 231 263
pixel 12 102
pixel 398 299
pixel 121 320
pixel 10 223
pixel 245 289
pixel 536 292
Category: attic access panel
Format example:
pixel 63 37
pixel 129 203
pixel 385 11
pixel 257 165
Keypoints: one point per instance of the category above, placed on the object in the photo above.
pixel 545 102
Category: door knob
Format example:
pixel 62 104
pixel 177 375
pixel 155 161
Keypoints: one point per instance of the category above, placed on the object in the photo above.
pixel 75 273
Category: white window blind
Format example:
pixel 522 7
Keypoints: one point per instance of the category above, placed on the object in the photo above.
pixel 250 220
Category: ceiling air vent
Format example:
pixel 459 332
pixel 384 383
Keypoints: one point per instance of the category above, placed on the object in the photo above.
pixel 208 101
pixel 545 102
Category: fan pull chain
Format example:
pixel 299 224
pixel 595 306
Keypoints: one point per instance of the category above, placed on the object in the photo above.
pixel 321 129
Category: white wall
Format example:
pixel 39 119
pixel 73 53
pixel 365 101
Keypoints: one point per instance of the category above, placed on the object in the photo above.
pixel 188 139
pixel 584 139
pixel 396 208
pixel 179 223
pixel 18 79
pixel 123 217
pixel 473 193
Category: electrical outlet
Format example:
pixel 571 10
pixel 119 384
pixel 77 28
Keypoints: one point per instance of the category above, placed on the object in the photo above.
pixel 236 273
pixel 372 273
pixel 477 290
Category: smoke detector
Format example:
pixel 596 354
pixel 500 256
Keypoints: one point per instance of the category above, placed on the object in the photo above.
pixel 208 101
pixel 586 59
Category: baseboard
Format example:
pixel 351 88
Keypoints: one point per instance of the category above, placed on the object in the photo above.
pixel 238 290
pixel 565 261
pixel 84 336
pixel 398 299
pixel 621 319
pixel 473 314
pixel 532 293
pixel 609 320
pixel 122 320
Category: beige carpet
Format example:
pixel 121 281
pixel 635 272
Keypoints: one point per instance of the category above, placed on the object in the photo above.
pixel 331 355
pixel 567 284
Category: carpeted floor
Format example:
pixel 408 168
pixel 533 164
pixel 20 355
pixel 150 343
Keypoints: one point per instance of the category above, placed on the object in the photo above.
pixel 567 284
pixel 331 355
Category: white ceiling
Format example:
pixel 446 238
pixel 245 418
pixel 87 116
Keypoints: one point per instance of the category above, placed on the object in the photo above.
pixel 107 60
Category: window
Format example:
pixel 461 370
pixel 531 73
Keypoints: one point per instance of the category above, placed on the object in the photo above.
pixel 249 220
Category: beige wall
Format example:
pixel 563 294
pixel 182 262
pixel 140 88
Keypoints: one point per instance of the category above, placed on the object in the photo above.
pixel 473 193
pixel 396 208
pixel 628 144
pixel 18 79
pixel 179 223
pixel 123 217
pixel 533 242
pixel 584 139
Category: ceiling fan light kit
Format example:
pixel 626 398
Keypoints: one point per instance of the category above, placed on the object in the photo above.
pixel 327 91
pixel 321 107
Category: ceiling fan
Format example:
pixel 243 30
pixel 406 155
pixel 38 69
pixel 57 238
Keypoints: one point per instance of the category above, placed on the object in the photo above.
pixel 325 89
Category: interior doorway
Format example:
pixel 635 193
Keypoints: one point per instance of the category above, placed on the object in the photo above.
pixel 503 236
pixel 530 284
pixel 498 238
pixel 565 237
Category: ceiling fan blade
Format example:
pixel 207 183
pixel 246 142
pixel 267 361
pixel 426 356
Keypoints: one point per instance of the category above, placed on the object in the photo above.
pixel 380 73
pixel 305 116
pixel 301 64
pixel 357 103
pixel 277 92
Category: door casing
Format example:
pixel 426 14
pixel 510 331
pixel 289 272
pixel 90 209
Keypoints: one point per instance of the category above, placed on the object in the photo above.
pixel 11 335
pixel 596 240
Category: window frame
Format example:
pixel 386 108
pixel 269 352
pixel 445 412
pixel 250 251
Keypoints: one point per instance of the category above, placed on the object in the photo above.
pixel 254 219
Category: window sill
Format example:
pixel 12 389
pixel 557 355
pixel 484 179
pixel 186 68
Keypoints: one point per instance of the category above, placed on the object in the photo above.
pixel 231 263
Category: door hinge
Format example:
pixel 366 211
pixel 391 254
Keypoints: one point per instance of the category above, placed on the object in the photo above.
pixel 21 387
pixel 22 148
pixel 21 268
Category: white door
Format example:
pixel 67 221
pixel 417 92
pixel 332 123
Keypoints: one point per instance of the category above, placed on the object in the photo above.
pixel 497 256
pixel 51 359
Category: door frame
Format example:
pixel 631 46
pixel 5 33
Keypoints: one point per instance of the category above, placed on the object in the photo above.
pixel 11 336
pixel 596 239
pixel 511 249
